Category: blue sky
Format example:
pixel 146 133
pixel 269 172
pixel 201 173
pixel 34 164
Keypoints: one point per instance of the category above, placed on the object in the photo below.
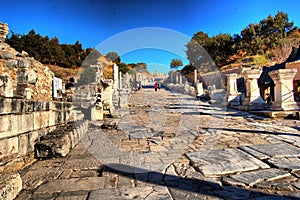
pixel 96 22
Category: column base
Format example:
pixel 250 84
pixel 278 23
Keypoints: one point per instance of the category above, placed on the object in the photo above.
pixel 233 100
pixel 284 106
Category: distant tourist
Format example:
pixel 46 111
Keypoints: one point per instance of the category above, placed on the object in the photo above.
pixel 155 86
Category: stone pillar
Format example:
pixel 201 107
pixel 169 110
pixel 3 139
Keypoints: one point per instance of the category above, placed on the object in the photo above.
pixel 180 79
pixel 120 80
pixel 116 77
pixel 177 79
pixel 233 97
pixel 284 95
pixel 195 76
pixel 253 100
pixel 171 76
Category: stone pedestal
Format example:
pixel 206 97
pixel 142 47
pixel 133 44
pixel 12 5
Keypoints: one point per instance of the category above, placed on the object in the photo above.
pixel 233 96
pixel 97 111
pixel 253 100
pixel 200 92
pixel 284 95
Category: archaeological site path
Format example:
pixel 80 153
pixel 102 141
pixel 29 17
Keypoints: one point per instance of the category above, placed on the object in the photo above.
pixel 166 145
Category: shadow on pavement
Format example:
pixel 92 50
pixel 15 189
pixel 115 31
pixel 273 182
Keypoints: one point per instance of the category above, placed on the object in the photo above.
pixel 192 187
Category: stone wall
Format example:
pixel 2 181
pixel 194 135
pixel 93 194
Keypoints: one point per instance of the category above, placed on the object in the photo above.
pixel 23 122
pixel 28 78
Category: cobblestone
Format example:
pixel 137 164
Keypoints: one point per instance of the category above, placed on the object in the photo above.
pixel 169 146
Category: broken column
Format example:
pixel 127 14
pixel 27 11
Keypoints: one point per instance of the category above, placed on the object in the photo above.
pixel 284 95
pixel 116 77
pixel 253 100
pixel 233 96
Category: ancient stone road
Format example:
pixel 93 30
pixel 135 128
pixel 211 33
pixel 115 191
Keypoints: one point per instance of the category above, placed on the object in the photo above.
pixel 169 146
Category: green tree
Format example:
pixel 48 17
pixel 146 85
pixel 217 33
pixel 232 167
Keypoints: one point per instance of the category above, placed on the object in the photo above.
pixel 123 67
pixel 114 57
pixel 175 63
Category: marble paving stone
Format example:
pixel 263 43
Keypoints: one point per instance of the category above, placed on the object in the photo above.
pixel 78 184
pixel 251 178
pixel 224 161
pixel 289 163
pixel 278 150
pixel 254 153
pixel 121 194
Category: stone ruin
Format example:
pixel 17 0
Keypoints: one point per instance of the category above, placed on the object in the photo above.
pixel 28 116
pixel 283 105
pixel 22 76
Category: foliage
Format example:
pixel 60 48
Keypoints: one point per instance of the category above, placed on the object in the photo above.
pixel 256 39
pixel 175 63
pixel 114 57
pixel 88 76
pixel 48 51
pixel 123 67
pixel 187 69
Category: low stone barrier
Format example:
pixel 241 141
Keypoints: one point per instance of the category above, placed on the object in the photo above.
pixel 181 88
pixel 59 142
pixel 23 122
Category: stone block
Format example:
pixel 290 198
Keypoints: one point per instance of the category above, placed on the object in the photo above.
pixel 5 105
pixel 36 120
pixel 16 124
pixel 44 119
pixel 24 63
pixel 4 123
pixel 24 146
pixel 6 87
pixel 33 137
pixel 8 149
pixel 17 106
pixel 12 64
pixel 52 115
pixel 10 186
pixel 27 122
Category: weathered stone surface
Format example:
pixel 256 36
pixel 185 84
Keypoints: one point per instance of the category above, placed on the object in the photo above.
pixel 288 163
pixel 33 179
pixel 77 184
pixel 3 31
pixel 128 193
pixel 8 149
pixel 251 178
pixel 278 150
pixel 10 186
pixel 254 153
pixel 218 162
